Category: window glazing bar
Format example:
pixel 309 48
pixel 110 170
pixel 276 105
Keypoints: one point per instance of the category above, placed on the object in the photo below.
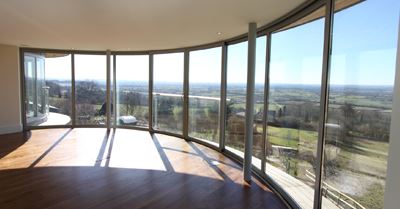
pixel 266 102
pixel 73 90
pixel 150 103
pixel 222 104
pixel 186 95
pixel 329 12
pixel 115 91
pixel 35 92
pixel 22 90
pixel 108 92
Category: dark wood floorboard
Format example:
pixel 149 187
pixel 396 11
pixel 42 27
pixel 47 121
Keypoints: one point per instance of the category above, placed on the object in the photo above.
pixel 90 168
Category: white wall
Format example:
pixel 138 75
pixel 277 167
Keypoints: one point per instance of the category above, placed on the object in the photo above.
pixel 392 190
pixel 10 108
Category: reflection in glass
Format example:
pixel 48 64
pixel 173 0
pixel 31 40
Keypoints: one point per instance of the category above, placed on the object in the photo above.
pixel 236 97
pixel 168 92
pixel 293 109
pixel 259 101
pixel 204 94
pixel 90 89
pixel 132 76
pixel 47 89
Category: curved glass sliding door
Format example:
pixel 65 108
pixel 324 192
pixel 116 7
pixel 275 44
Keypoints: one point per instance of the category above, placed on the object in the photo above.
pixel 168 92
pixel 204 94
pixel 90 89
pixel 47 89
pixel 293 109
pixel 259 101
pixel 132 76
pixel 236 98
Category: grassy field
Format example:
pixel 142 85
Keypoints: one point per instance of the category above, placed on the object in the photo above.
pixel 357 155
pixel 290 137
pixel 365 162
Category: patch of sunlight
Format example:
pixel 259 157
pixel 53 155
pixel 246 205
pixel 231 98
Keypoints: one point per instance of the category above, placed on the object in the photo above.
pixel 134 149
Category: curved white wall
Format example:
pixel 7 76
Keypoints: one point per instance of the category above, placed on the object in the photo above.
pixel 10 108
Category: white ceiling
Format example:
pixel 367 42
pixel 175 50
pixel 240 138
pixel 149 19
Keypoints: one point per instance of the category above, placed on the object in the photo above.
pixel 131 24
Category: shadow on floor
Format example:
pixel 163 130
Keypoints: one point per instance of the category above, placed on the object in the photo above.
pixel 101 187
pixel 162 154
pixel 10 142
pixel 62 137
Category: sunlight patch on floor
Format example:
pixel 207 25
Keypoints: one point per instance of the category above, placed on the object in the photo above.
pixel 135 149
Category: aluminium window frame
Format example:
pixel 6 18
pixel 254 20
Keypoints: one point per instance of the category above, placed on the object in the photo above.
pixel 299 12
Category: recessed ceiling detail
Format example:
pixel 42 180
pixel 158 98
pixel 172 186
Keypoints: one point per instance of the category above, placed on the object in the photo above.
pixel 133 24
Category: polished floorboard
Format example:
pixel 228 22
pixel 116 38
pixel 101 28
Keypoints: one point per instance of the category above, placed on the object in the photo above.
pixel 91 168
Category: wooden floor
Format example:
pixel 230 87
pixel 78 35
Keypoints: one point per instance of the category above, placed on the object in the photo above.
pixel 90 168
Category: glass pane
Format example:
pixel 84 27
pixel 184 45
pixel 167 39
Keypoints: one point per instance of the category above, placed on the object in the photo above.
pixel 236 98
pixel 90 87
pixel 360 103
pixel 41 90
pixel 204 94
pixel 259 101
pixel 30 88
pixel 293 109
pixel 132 90
pixel 48 89
pixel 168 92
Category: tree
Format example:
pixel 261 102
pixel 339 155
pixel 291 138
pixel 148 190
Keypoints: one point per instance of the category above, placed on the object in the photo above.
pixel 131 100
pixel 229 108
pixel 89 92
pixel 284 110
pixel 347 122
pixel 54 89
pixel 103 109
pixel 280 113
pixel 166 106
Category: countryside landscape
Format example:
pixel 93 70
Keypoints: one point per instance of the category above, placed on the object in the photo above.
pixel 356 140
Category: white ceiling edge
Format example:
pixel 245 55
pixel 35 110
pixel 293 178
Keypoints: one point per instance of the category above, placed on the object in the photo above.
pixel 132 25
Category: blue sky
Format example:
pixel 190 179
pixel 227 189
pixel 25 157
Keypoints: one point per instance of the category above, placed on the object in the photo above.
pixel 365 43
pixel 363 50
pixel 363 53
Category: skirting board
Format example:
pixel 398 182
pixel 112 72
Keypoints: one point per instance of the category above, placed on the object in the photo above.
pixel 10 129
